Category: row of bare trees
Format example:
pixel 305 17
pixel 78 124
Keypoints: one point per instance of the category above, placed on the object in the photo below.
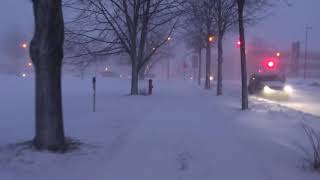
pixel 137 28
pixel 209 21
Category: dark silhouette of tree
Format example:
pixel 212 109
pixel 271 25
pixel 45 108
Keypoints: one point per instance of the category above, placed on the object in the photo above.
pixel 46 51
pixel 225 18
pixel 244 89
pixel 201 15
pixel 193 36
pixel 247 9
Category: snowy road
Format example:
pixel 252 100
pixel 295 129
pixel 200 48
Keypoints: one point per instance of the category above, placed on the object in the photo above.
pixel 305 97
pixel 182 132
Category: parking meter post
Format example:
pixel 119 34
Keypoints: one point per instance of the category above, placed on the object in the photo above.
pixel 150 87
pixel 94 93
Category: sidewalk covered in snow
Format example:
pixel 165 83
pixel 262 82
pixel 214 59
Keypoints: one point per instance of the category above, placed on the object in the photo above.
pixel 180 132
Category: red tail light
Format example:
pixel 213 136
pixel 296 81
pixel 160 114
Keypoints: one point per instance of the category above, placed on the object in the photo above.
pixel 270 63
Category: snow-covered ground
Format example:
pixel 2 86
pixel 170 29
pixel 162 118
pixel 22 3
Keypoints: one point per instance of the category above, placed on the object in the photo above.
pixel 181 132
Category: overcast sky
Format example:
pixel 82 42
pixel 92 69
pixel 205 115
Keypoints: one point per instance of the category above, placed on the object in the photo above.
pixel 287 24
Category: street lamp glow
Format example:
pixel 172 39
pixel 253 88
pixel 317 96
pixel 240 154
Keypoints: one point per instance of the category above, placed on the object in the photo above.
pixel 24 45
pixel 211 78
pixel 211 38
pixel 29 64
pixel 278 54
pixel 169 38
pixel 106 69
pixel 24 75
pixel 153 49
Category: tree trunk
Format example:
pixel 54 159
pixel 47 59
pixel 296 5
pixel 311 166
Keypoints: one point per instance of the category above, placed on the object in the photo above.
pixel 200 66
pixel 142 72
pixel 46 51
pixel 134 78
pixel 220 60
pixel 208 66
pixel 244 92
pixel 49 119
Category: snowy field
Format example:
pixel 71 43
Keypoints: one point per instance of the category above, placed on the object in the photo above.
pixel 182 132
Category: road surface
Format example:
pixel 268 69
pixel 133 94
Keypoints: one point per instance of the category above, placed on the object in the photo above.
pixel 305 97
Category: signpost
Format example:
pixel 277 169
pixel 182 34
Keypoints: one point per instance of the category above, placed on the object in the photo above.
pixel 94 93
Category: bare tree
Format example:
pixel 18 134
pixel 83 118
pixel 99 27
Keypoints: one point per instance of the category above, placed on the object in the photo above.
pixel 164 53
pixel 246 8
pixel 244 89
pixel 193 36
pixel 202 18
pixel 126 26
pixel 46 51
pixel 78 58
pixel 225 17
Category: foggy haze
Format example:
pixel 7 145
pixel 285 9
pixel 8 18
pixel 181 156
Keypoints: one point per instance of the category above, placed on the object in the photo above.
pixel 286 24
pixel 132 94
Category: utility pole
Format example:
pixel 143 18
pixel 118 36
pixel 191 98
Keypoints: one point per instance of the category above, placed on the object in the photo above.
pixel 306 53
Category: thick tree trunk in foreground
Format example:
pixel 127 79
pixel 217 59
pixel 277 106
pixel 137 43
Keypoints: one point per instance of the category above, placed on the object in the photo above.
pixel 244 92
pixel 208 66
pixel 220 60
pixel 46 51
pixel 134 78
pixel 200 67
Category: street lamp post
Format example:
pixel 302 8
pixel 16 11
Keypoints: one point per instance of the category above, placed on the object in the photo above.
pixel 306 53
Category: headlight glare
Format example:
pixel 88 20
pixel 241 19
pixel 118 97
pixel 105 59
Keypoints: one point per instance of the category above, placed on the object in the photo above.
pixel 267 89
pixel 288 89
